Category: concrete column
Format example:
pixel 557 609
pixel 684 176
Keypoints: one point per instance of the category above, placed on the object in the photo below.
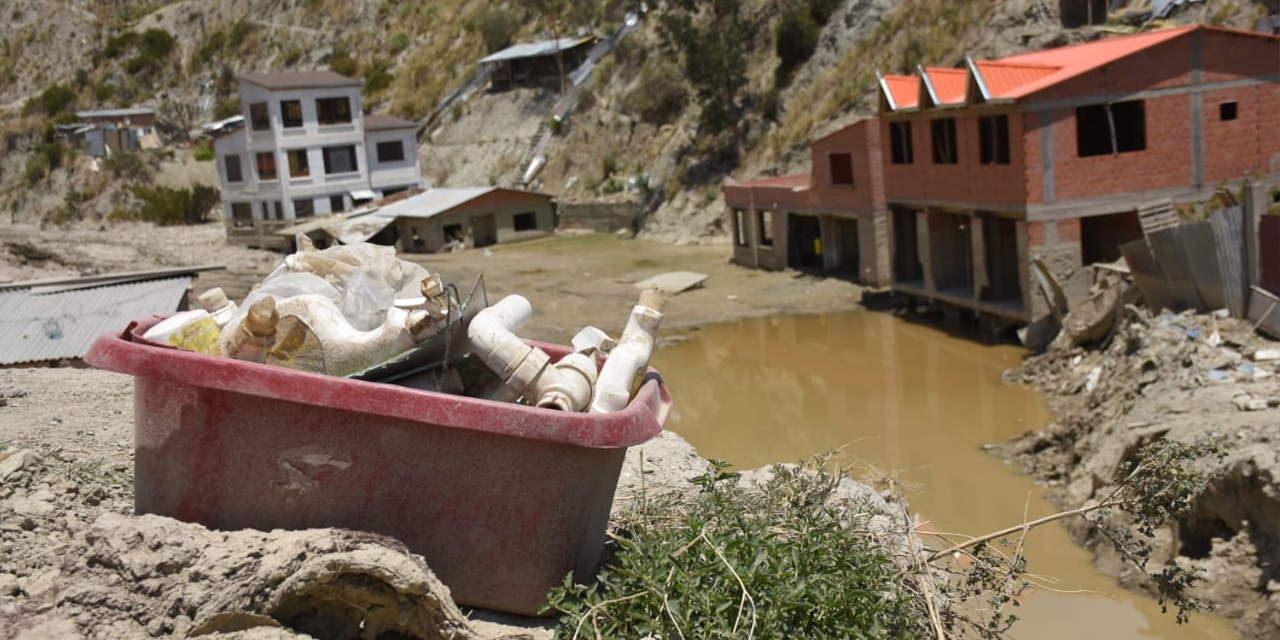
pixel 923 249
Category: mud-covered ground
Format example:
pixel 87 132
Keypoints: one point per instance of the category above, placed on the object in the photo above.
pixel 1186 377
pixel 75 564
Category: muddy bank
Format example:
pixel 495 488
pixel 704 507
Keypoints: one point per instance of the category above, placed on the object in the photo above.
pixel 1185 377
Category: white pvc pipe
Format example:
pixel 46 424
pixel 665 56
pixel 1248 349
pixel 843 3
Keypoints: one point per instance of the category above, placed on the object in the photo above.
pixel 631 356
pixel 527 370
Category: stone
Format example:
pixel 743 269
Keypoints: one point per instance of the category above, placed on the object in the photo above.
pixel 9 585
pixel 17 461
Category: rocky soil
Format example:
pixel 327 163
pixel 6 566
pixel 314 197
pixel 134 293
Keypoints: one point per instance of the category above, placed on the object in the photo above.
pixel 1187 377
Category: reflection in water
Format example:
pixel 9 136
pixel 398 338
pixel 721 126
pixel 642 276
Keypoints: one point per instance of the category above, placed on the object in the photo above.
pixel 915 402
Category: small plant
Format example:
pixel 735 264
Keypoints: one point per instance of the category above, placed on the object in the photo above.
pixel 169 206
pixel 399 41
pixel 660 94
pixel 768 561
pixel 202 151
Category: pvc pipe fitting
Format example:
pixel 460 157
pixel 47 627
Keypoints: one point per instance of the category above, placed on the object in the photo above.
pixel 631 356
pixel 527 370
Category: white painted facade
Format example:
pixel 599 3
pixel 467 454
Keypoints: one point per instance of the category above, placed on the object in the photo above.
pixel 308 128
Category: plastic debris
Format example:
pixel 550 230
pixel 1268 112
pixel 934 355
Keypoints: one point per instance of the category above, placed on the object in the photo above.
pixel 359 311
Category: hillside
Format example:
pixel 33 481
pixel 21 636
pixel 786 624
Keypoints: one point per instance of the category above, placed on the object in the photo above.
pixel 637 132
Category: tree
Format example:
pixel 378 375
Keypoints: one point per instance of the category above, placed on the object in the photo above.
pixel 175 120
pixel 713 38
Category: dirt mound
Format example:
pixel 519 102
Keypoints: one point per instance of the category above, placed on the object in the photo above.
pixel 149 576
pixel 1186 377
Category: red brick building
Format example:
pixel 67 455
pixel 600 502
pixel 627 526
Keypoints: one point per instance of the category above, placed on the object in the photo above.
pixel 1040 155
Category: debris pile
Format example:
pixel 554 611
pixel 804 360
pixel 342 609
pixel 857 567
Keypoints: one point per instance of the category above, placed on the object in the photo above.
pixel 1186 376
pixel 359 311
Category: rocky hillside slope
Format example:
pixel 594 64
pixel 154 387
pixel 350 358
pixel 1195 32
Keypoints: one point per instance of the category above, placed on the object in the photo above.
pixel 634 134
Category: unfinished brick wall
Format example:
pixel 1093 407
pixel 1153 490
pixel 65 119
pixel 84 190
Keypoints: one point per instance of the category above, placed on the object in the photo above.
pixel 862 141
pixel 1249 145
pixel 968 180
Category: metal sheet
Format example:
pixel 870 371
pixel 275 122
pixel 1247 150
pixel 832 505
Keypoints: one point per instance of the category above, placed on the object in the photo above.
pixel 56 326
pixel 1201 250
pixel 1146 274
pixel 1228 233
pixel 1264 311
pixel 1166 246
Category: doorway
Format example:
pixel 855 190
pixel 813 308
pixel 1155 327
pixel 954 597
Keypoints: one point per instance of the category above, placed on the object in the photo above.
pixel 804 242
pixel 484 230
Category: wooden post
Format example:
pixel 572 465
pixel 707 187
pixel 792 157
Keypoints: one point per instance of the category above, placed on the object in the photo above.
pixel 1255 206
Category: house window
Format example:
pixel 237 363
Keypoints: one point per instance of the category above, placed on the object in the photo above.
pixel 298 166
pixel 944 141
pixel 1227 111
pixel 900 136
pixel 339 159
pixel 740 227
pixel 337 203
pixel 259 119
pixel 333 110
pixel 267 166
pixel 525 221
pixel 233 168
pixel 279 207
pixel 291 113
pixel 993 132
pixel 241 214
pixel 387 193
pixel 391 151
pixel 1103 129
pixel 841 167
pixel 766 228
pixel 304 208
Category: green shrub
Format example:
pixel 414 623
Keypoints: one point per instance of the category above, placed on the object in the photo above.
pixel 292 56
pixel 37 169
pixel 103 92
pixel 795 38
pixel 496 26
pixel 768 562
pixel 117 45
pixel 399 41
pixel 376 77
pixel 660 94
pixel 169 206
pixel 239 31
pixel 139 63
pixel 202 151
pixel 52 101
pixel 156 43
pixel 341 62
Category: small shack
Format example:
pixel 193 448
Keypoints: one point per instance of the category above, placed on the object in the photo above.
pixel 55 321
pixel 107 131
pixel 533 63
pixel 442 219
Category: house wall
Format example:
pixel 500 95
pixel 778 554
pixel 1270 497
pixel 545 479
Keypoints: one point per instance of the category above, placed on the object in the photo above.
pixel 403 173
pixel 968 180
pixel 504 208
pixel 862 141
pixel 311 136
pixel 757 199
pixel 1249 145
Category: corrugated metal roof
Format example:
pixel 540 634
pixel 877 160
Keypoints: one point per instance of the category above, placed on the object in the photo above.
pixel 55 326
pixel 536 49
pixel 904 91
pixel 1002 78
pixel 948 84
pixel 431 203
pixel 1077 59
pixel 116 113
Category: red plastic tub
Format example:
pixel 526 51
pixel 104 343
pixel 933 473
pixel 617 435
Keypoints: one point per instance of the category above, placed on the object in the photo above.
pixel 502 500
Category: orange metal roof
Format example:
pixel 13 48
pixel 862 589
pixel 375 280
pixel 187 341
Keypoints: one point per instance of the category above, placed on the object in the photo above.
pixel 948 84
pixel 1021 75
pixel 905 90
pixel 797 181
pixel 1003 78
pixel 1077 59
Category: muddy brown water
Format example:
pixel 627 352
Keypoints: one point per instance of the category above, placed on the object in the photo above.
pixel 912 401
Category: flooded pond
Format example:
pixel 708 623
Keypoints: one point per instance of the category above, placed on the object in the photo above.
pixel 913 402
